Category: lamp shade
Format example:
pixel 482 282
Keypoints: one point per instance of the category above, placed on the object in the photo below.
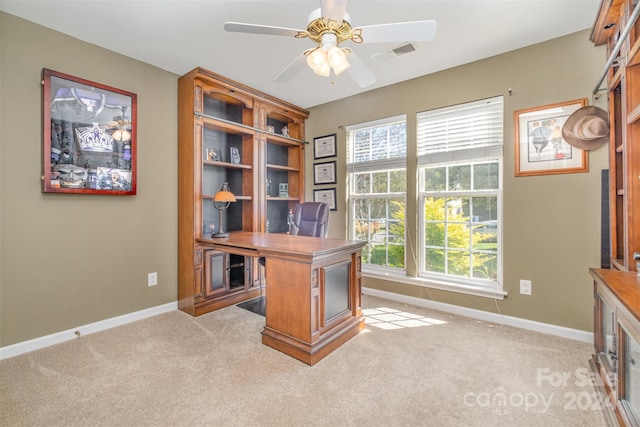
pixel 224 196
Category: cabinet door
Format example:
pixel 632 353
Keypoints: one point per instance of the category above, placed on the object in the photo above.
pixel 629 377
pixel 216 273
pixel 606 339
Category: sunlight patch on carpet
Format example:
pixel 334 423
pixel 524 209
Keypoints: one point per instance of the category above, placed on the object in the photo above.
pixel 391 318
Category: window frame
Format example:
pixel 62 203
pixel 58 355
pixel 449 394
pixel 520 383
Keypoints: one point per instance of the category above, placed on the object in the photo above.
pixel 486 148
pixel 376 166
pixel 489 284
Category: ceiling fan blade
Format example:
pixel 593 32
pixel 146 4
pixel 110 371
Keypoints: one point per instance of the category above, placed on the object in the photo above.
pixel 333 9
pixel 416 31
pixel 239 27
pixel 292 69
pixel 359 71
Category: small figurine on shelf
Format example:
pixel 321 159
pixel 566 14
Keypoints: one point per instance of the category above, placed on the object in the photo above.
pixel 212 155
pixel 290 219
pixel 235 155
pixel 283 190
pixel 267 184
pixel 285 131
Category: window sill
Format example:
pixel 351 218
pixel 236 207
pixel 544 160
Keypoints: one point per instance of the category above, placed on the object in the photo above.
pixel 469 289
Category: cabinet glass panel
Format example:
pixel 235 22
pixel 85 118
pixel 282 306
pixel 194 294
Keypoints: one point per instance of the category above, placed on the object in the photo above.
pixel 632 380
pixel 216 274
pixel 608 339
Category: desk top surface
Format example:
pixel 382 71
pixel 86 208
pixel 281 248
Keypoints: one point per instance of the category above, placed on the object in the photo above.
pixel 271 243
pixel 624 284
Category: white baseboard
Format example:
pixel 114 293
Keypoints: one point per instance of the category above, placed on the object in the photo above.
pixel 60 337
pixel 561 331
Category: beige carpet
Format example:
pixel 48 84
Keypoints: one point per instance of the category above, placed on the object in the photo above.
pixel 411 366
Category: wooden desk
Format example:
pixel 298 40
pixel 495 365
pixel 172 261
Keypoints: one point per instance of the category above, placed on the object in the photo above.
pixel 313 290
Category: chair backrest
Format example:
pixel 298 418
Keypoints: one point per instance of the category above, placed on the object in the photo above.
pixel 310 219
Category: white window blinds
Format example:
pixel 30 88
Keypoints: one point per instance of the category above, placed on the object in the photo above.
pixel 377 145
pixel 461 132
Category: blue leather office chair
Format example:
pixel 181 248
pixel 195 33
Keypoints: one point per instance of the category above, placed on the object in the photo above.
pixel 310 219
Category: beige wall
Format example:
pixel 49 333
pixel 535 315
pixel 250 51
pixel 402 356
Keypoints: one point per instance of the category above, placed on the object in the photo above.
pixel 551 231
pixel 68 260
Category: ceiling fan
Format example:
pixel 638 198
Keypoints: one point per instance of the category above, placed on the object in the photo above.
pixel 328 27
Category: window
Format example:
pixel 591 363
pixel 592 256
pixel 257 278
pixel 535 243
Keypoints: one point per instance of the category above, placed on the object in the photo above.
pixel 376 153
pixel 460 163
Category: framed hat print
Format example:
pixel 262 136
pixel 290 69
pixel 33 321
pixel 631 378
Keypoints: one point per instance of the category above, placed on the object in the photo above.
pixel 89 137
pixel 540 145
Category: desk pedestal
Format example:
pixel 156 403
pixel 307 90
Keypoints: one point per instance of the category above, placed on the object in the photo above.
pixel 313 290
pixel 314 304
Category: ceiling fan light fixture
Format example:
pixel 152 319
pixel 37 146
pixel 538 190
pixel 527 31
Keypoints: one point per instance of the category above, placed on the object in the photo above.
pixel 323 58
pixel 324 70
pixel 336 56
pixel 338 60
pixel 316 59
pixel 328 27
pixel 339 69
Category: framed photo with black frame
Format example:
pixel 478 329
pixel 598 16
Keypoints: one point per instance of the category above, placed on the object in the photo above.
pixel 326 195
pixel 324 173
pixel 324 146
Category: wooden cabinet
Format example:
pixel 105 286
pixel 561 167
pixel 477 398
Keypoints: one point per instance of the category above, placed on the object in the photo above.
pixel 616 362
pixel 224 274
pixel 229 132
pixel 616 27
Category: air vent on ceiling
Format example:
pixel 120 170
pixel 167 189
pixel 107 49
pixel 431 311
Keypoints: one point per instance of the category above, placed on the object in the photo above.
pixel 396 51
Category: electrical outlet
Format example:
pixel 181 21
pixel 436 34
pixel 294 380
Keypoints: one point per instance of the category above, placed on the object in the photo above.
pixel 152 279
pixel 525 287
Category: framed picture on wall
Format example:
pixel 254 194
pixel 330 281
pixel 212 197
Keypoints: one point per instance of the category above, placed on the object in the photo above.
pixel 324 146
pixel 327 196
pixel 539 146
pixel 324 173
pixel 89 137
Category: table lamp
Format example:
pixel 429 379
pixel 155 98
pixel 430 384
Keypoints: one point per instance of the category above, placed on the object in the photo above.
pixel 221 201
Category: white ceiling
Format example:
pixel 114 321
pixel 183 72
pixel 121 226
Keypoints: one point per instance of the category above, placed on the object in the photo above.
pixel 179 35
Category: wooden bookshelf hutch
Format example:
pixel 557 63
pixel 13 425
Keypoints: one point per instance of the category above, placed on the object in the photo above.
pixel 616 361
pixel 229 132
